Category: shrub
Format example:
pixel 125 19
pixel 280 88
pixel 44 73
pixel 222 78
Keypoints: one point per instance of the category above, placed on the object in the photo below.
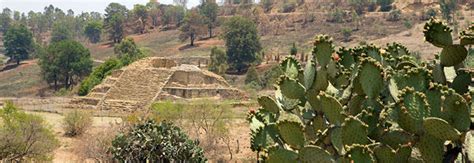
pixel 76 123
pixel 347 32
pixel 218 62
pixel 252 76
pixel 98 74
pixel 394 15
pixel 271 76
pixel 385 5
pixel 288 7
pixel 408 24
pixel 24 137
pixel 153 142
pixel 337 16
pixel 96 145
pixel 431 12
pixel 293 50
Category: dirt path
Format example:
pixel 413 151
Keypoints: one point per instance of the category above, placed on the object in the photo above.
pixel 66 152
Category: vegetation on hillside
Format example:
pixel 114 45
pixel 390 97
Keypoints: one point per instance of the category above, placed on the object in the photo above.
pixel 18 43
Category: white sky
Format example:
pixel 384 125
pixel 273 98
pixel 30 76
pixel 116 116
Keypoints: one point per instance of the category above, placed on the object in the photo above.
pixel 77 6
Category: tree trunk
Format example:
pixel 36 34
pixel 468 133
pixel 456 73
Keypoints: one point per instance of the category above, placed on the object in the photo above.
pixel 210 32
pixel 18 61
pixel 192 40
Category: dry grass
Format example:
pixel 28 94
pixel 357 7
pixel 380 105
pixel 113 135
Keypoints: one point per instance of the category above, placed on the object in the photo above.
pixel 24 80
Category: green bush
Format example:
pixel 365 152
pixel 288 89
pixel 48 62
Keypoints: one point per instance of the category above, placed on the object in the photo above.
pixel 252 76
pixel 98 74
pixel 288 7
pixel 156 142
pixel 271 76
pixel 24 137
pixel 76 123
pixel 218 62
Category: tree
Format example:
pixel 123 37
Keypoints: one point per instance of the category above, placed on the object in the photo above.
pixel 140 12
pixel 156 142
pixel 192 27
pixel 65 62
pixel 18 43
pixel 115 16
pixel 128 51
pixel 154 11
pixel 93 30
pixel 209 11
pixel 242 42
pixel 173 14
pixel 5 20
pixel 25 137
pixel 60 32
pixel 385 5
pixel 218 62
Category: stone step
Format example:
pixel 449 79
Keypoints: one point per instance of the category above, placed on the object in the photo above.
pixel 120 105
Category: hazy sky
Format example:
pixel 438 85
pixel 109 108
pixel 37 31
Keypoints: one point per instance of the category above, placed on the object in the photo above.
pixel 77 5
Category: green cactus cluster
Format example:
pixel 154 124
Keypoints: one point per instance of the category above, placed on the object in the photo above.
pixel 369 104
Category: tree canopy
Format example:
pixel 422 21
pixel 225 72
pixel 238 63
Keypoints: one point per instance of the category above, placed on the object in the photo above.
pixel 192 27
pixel 115 17
pixel 93 30
pixel 18 43
pixel 209 11
pixel 242 42
pixel 128 51
pixel 65 62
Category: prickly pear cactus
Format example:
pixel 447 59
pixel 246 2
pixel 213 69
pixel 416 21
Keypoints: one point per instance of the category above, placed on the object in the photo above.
pixel 370 104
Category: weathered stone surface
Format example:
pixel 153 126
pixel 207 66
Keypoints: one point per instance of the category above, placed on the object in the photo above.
pixel 138 85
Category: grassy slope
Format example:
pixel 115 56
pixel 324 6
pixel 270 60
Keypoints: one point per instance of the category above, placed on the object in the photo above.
pixel 24 80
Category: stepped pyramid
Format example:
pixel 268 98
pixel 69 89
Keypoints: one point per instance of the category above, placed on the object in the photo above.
pixel 138 85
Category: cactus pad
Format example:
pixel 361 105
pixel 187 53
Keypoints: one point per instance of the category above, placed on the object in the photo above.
pixel 418 78
pixel 453 55
pixel 458 110
pixel 312 153
pixel 438 74
pixel 467 36
pixel 263 137
pixel 336 140
pixel 438 33
pixel 309 74
pixel 431 148
pixel 291 88
pixel 331 108
pixel 440 129
pixel 413 109
pixel 291 67
pixel 269 104
pixel 281 155
pixel 384 154
pixel 395 138
pixel 360 153
pixel 354 131
pixel 291 130
pixel 461 82
pixel 323 49
pixel 371 78
pixel 347 60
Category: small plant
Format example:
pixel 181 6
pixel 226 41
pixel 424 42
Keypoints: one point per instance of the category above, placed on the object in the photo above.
pixel 289 7
pixel 394 15
pixel 431 12
pixel 76 123
pixel 337 16
pixel 253 77
pixel 408 24
pixel 293 50
pixel 347 33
